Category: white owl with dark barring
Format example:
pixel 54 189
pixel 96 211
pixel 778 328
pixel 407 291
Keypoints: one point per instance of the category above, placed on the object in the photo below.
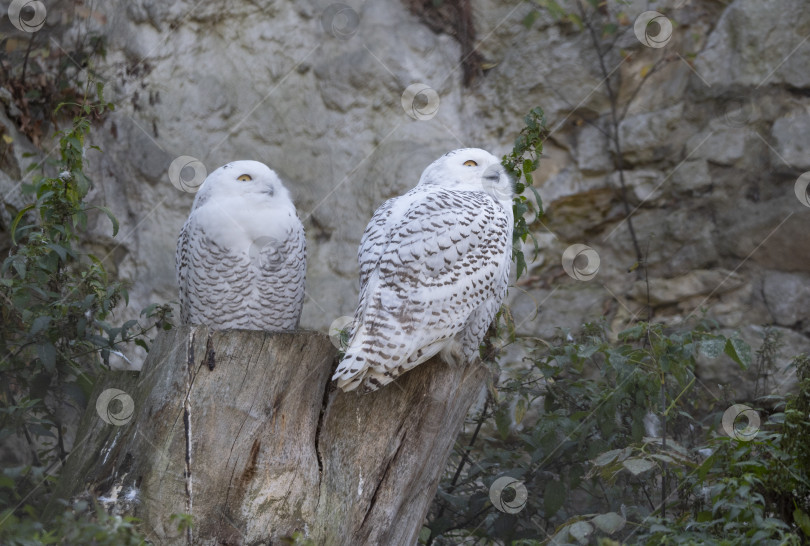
pixel 241 255
pixel 434 270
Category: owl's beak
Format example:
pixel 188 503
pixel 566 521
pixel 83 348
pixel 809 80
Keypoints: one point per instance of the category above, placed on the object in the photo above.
pixel 494 176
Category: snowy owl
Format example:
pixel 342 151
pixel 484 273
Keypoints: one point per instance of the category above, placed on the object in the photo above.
pixel 241 255
pixel 434 269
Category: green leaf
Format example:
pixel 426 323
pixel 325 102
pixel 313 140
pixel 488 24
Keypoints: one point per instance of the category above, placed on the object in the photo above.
pixel 574 18
pixel 607 457
pixel 520 260
pixel 112 218
pixel 529 20
pixel 539 201
pixel 60 250
pixel 19 266
pixel 520 410
pixel 739 351
pixel 634 332
pixel 528 167
pixel 802 520
pixel 609 29
pixel 39 324
pixel 16 221
pixel 712 347
pixel 609 523
pixel 580 531
pixel 554 497
pixel 47 355
pixel 503 421
pixel 638 466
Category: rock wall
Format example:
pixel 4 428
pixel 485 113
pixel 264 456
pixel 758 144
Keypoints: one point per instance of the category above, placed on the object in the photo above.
pixel 713 143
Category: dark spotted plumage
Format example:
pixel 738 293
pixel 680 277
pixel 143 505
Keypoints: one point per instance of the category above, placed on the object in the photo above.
pixel 434 268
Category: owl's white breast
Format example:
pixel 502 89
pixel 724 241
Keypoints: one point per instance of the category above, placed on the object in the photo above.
pixel 237 221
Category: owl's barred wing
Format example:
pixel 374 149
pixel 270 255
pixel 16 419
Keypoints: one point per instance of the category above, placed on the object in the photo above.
pixel 443 259
pixel 182 269
pixel 375 239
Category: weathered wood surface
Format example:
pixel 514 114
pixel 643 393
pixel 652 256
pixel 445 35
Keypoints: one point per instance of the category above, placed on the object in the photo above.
pixel 255 442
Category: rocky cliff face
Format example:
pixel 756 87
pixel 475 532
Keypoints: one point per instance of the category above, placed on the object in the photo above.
pixel 712 144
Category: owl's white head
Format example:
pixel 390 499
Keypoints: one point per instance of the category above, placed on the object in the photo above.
pixel 471 169
pixel 250 180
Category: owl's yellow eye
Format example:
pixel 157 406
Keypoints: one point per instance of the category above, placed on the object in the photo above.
pixel 470 163
pixel 245 178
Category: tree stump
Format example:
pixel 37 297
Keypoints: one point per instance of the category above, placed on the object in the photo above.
pixel 245 432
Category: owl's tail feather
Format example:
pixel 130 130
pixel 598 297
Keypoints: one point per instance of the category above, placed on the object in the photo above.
pixel 370 361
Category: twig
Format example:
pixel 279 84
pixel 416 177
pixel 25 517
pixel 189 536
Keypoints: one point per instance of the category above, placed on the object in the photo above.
pixel 27 53
pixel 615 126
